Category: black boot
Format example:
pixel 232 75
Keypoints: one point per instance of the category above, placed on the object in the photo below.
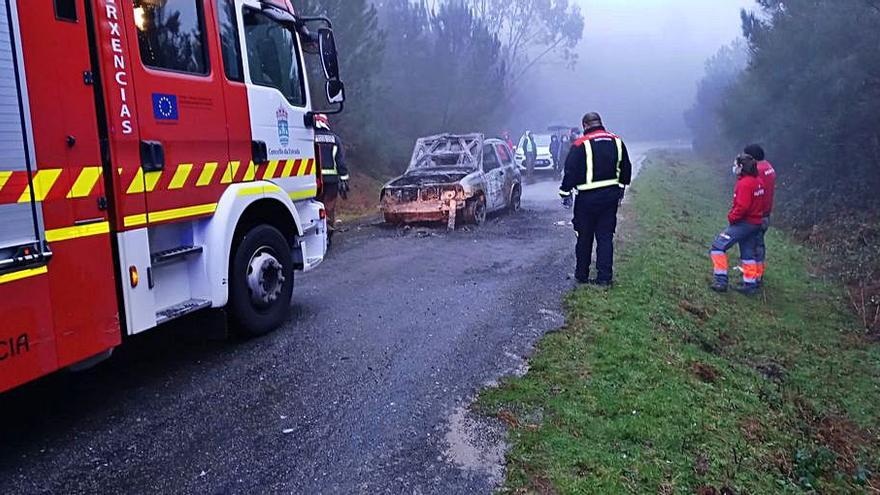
pixel 720 284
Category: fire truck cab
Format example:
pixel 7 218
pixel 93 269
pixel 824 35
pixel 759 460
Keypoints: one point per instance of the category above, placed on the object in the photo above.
pixel 157 158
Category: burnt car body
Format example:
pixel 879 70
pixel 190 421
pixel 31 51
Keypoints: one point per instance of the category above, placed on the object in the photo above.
pixel 454 176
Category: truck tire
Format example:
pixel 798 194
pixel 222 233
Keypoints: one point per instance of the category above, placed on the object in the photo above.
pixel 261 282
pixel 475 210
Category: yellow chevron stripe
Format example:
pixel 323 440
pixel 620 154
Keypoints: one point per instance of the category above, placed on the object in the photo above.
pixel 180 176
pixel 4 177
pixel 85 183
pixel 207 175
pixel 251 173
pixel 137 184
pixel 288 168
pixel 152 178
pixel 43 181
pixel 76 232
pixel 307 164
pixel 12 277
pixel 230 173
pixel 144 180
pixel 270 170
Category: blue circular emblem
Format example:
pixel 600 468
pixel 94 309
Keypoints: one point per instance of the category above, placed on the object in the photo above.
pixel 165 107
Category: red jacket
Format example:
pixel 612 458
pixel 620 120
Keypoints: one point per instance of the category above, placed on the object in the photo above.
pixel 767 173
pixel 749 203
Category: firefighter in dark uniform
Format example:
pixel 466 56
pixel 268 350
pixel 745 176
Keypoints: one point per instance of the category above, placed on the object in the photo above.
pixel 598 167
pixel 333 170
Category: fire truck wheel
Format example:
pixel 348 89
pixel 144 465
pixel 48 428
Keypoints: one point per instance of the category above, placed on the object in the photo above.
pixel 261 282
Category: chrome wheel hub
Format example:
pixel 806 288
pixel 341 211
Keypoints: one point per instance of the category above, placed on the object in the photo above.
pixel 265 279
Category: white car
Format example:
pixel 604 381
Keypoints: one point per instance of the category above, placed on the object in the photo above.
pixel 545 161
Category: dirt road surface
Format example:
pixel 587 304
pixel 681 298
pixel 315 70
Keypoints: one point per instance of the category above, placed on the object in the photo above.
pixel 365 390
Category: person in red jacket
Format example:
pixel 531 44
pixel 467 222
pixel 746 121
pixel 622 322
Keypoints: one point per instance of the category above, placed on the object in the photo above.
pixel 745 220
pixel 766 173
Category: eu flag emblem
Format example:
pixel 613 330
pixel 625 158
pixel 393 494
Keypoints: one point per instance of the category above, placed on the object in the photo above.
pixel 165 107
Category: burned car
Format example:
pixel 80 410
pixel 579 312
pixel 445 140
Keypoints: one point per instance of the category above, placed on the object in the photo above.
pixel 454 178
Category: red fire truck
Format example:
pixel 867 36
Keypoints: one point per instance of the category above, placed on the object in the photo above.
pixel 156 158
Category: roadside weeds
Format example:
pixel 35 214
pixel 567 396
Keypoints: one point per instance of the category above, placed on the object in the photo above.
pixel 659 386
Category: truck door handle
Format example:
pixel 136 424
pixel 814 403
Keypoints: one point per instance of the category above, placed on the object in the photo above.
pixel 260 152
pixel 152 156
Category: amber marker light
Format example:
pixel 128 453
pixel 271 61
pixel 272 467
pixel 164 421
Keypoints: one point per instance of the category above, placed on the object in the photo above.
pixel 133 275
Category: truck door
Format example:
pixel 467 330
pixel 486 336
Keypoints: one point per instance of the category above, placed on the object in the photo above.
pixel 278 102
pixel 182 118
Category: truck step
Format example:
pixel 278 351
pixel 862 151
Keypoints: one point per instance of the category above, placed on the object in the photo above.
pixel 181 309
pixel 170 255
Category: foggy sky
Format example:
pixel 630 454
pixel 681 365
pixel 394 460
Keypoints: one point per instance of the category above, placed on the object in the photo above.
pixel 640 61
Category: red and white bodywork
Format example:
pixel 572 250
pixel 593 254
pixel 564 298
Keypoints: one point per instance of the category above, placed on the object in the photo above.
pixel 127 178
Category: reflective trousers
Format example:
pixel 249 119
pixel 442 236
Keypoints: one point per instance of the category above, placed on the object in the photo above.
pixel 595 219
pixel 761 248
pixel 746 235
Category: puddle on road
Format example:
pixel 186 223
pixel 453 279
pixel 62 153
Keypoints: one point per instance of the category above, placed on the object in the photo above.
pixel 476 445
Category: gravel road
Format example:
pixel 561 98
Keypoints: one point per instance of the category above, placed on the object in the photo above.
pixel 365 390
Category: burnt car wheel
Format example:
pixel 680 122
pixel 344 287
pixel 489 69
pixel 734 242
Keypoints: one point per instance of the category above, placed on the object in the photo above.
pixel 515 199
pixel 475 211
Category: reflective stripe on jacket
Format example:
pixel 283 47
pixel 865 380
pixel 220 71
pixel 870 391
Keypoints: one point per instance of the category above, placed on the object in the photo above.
pixel 331 155
pixel 597 160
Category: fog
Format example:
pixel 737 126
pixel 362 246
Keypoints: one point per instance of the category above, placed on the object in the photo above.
pixel 639 65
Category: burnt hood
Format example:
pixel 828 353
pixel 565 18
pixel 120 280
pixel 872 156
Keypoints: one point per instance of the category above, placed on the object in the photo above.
pixel 424 178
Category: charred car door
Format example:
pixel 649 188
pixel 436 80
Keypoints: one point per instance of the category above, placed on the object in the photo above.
pixel 494 176
pixel 510 170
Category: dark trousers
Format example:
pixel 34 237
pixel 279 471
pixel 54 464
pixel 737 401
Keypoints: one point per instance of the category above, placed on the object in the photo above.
pixel 531 158
pixel 331 193
pixel 595 219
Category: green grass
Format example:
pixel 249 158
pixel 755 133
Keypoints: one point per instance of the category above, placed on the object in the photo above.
pixel 660 386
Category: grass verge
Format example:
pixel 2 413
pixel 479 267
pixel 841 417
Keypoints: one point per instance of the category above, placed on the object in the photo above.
pixel 363 199
pixel 660 386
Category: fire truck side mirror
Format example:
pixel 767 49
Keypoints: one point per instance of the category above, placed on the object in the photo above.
pixel 152 156
pixel 335 91
pixel 329 56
